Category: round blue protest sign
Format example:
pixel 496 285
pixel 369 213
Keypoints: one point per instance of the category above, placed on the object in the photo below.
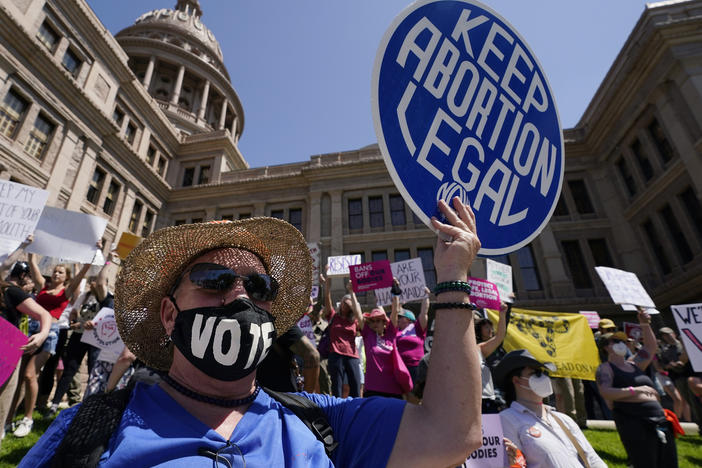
pixel 462 107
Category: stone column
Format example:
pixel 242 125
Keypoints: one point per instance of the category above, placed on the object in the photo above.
pixel 235 124
pixel 62 160
pixel 149 73
pixel 178 85
pixel 128 199
pixel 203 101
pixel 83 176
pixel 259 209
pixel 555 273
pixel 337 223
pixel 314 220
pixel 223 114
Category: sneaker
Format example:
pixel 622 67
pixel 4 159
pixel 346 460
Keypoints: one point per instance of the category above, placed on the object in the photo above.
pixel 53 409
pixel 24 427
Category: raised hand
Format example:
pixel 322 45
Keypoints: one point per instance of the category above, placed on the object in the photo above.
pixel 453 257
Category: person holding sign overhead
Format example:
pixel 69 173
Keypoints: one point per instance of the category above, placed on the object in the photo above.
pixel 411 332
pixel 641 422
pixel 547 438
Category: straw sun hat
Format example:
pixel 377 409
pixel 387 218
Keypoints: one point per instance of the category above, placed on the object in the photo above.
pixel 153 266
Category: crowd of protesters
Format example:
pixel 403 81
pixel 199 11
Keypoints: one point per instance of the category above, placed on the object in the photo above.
pixel 645 383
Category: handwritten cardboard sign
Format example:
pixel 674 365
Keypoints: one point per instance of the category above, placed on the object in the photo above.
pixel 688 318
pixel 410 274
pixel 369 276
pixel 20 210
pixel 593 318
pixel 484 294
pixel 11 340
pixel 339 265
pixel 501 275
pixel 105 335
pixel 67 234
pixel 305 324
pixel 315 253
pixel 624 287
pixel 492 452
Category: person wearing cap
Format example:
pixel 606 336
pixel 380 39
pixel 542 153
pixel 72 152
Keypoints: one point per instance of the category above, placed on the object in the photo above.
pixel 676 363
pixel 14 302
pixel 638 415
pixel 411 332
pixel 204 302
pixel 547 438
pixel 379 341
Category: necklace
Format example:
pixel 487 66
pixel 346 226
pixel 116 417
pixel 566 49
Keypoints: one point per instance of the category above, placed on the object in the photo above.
pixel 211 400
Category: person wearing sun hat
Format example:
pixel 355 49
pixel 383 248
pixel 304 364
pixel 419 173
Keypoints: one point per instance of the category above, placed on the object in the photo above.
pixel 411 333
pixel 203 303
pixel 379 342
pixel 545 437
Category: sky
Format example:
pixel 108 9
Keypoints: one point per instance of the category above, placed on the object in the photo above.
pixel 302 68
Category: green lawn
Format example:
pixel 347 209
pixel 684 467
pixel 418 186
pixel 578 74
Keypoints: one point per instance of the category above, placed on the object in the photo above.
pixel 606 443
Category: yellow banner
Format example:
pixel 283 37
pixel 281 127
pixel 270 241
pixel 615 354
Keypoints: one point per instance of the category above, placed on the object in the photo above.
pixel 127 243
pixel 563 339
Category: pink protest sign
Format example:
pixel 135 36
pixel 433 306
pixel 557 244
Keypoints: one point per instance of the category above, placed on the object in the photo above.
pixel 11 340
pixel 484 294
pixel 593 318
pixel 633 330
pixel 368 276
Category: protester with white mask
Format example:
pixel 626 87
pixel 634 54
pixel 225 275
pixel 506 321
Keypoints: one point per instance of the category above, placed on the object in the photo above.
pixel 546 437
pixel 641 422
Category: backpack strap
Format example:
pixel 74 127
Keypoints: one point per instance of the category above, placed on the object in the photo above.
pixel 310 414
pixel 91 429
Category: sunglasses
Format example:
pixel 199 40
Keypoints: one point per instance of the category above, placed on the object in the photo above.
pixel 617 341
pixel 215 277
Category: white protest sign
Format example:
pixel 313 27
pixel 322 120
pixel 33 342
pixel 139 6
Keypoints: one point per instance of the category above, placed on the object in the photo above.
pixel 67 234
pixel 501 276
pixel 20 210
pixel 624 287
pixel 315 253
pixel 492 453
pixel 688 318
pixel 305 324
pixel 410 274
pixel 339 266
pixel 105 334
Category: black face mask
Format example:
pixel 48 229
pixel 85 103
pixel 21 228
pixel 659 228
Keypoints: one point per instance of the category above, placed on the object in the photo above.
pixel 226 342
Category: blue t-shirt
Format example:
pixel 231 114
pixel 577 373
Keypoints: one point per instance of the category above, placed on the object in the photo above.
pixel 156 431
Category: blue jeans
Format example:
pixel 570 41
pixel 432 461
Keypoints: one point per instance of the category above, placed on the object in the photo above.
pixel 51 341
pixel 340 366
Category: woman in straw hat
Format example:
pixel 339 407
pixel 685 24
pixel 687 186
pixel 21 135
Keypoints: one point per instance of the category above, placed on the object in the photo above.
pixel 203 303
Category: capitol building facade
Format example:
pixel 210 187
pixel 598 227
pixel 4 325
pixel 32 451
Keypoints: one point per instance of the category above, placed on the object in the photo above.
pixel 142 128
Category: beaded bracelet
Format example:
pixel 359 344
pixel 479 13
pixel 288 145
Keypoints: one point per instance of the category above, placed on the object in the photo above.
pixel 461 286
pixel 454 305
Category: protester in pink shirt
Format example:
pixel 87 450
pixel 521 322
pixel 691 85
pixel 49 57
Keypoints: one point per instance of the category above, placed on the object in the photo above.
pixel 343 357
pixel 379 336
pixel 411 333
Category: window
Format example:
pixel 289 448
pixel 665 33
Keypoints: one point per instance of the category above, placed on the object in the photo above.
pixel 401 255
pixel 416 220
pixel 108 205
pixel 229 217
pixel 642 160
pixel 427 256
pixel 151 155
pixel 397 210
pixel 130 133
pixel 70 62
pixel 600 252
pixel 624 172
pixel 96 186
pixel 136 214
pixel 379 255
pixel 675 232
pixel 576 264
pixel 527 267
pixel 665 150
pixel 295 218
pixel 375 210
pixel 561 207
pixel 244 215
pixel 13 106
pixel 161 166
pixel 188 176
pixel 38 137
pixel 355 214
pixel 196 220
pixel 178 222
pixel 118 116
pixel 148 221
pixel 693 207
pixel 47 36
pixel 204 176
pixel 280 214
pixel 578 191
pixel 656 246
